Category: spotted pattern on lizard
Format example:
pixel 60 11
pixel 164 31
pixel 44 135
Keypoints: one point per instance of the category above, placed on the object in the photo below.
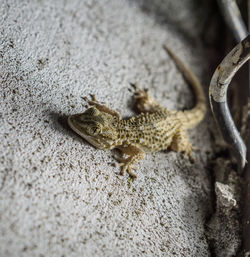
pixel 155 128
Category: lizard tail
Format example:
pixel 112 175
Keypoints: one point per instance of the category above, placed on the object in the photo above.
pixel 192 117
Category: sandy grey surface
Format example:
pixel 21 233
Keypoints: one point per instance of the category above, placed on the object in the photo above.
pixel 58 195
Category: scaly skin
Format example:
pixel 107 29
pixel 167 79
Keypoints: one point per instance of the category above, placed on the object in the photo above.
pixel 155 128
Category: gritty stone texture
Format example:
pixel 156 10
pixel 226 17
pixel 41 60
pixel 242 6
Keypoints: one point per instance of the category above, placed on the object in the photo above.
pixel 58 195
pixel 225 196
pixel 223 227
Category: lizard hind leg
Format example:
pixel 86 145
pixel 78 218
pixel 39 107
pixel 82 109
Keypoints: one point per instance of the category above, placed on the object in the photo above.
pixel 144 101
pixel 181 143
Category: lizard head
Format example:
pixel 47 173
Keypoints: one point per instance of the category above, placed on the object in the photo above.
pixel 97 127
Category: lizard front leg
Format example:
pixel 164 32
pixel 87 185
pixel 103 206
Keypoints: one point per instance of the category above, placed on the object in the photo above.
pixel 135 154
pixel 145 102
pixel 101 107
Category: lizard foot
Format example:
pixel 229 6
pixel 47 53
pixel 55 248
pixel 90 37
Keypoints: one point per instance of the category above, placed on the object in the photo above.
pixel 92 100
pixel 126 166
pixel 145 102
pixel 135 154
pixel 101 107
pixel 188 152
pixel 182 144
pixel 140 93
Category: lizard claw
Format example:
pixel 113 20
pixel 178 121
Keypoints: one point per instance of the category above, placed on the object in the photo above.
pixel 189 152
pixel 127 168
pixel 143 101
pixel 92 100
pixel 140 93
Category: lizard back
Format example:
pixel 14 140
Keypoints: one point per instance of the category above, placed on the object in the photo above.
pixel 151 131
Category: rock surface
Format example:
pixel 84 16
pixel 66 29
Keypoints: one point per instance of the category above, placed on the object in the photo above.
pixel 58 195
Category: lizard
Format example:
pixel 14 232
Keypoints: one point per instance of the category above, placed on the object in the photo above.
pixel 155 128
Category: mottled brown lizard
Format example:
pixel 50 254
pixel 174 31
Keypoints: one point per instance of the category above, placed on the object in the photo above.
pixel 155 128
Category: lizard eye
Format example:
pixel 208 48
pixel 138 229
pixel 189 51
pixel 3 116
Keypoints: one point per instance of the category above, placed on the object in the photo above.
pixel 94 130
